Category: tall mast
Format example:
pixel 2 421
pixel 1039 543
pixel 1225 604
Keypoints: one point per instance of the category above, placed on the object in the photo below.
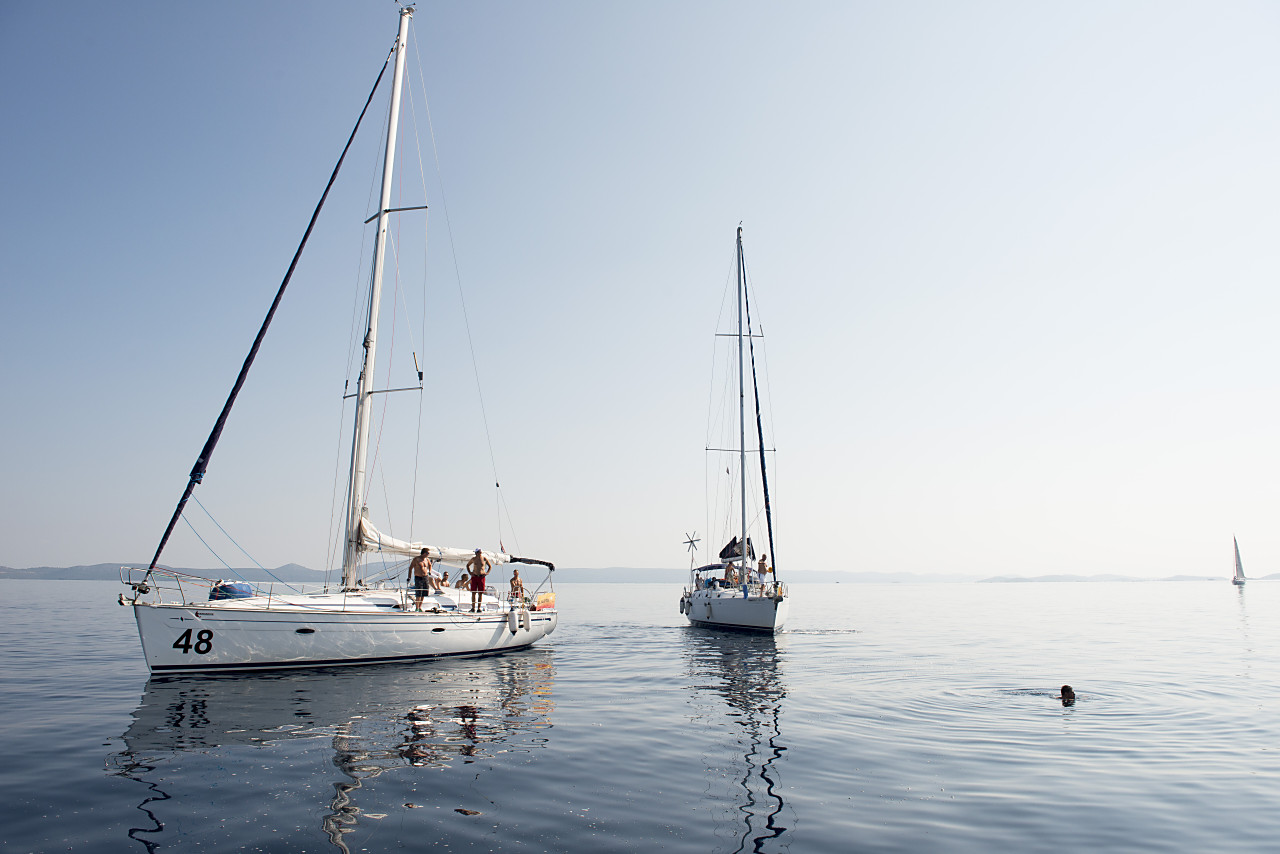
pixel 364 388
pixel 742 414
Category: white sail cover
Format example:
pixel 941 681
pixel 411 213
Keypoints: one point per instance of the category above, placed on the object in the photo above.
pixel 373 540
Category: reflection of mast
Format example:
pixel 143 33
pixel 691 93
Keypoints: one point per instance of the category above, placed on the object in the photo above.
pixel 743 672
pixel 133 768
pixel 774 799
pixel 343 813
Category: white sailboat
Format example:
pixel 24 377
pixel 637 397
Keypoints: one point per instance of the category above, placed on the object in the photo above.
pixel 188 624
pixel 1238 579
pixel 738 592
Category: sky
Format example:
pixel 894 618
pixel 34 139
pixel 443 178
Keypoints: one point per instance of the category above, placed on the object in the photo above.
pixel 1015 264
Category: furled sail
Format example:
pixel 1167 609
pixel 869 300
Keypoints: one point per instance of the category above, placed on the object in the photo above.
pixel 733 551
pixel 373 540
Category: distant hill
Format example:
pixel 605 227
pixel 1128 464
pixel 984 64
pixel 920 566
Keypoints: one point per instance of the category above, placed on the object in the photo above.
pixel 111 572
pixel 1017 579
pixel 610 575
pixel 623 575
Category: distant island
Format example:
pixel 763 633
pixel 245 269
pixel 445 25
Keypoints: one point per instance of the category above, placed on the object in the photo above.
pixel 296 573
pixel 111 572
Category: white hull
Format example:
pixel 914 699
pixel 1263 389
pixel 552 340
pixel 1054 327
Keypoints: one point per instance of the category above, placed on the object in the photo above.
pixel 324 630
pixel 761 610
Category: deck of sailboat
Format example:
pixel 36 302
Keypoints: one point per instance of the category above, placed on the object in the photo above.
pixel 365 602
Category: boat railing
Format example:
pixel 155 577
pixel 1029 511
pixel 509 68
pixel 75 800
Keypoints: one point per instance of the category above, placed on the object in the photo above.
pixel 752 588
pixel 172 587
pixel 159 586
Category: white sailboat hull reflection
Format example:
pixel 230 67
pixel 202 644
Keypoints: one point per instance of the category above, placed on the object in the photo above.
pixel 739 699
pixel 375 720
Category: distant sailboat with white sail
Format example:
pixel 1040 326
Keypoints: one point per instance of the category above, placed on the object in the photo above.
pixel 1239 576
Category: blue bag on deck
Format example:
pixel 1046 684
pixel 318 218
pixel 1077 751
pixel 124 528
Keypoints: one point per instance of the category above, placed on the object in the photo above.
pixel 230 590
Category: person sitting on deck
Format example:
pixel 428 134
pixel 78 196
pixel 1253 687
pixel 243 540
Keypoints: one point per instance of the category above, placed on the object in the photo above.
pixel 462 582
pixel 730 577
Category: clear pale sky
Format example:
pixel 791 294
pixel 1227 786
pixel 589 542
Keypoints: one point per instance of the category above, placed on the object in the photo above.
pixel 1017 264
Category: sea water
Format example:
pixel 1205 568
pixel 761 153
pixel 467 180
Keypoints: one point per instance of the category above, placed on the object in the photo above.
pixel 887 718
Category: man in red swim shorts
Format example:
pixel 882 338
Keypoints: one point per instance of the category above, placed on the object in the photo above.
pixel 479 567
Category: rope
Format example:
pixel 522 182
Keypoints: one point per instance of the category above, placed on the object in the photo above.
pixel 466 321
pixel 237 545
pixel 202 461
pixel 209 547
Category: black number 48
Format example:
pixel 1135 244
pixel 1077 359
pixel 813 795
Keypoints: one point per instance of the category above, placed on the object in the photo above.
pixel 204 642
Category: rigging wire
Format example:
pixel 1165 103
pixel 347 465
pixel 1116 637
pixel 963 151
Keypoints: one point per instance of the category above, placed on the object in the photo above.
pixel 718 419
pixel 206 453
pixel 466 321
pixel 237 545
pixel 393 244
pixel 422 177
pixel 361 282
pixel 333 498
pixel 755 393
pixel 417 365
pixel 207 546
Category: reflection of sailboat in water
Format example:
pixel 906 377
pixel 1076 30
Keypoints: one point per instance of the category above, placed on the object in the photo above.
pixel 376 720
pixel 744 673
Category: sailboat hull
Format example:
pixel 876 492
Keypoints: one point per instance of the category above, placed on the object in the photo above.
pixel 725 609
pixel 190 639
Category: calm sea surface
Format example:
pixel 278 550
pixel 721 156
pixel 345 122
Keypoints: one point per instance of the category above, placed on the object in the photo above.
pixel 887 718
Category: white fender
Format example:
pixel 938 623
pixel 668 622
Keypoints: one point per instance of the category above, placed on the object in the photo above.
pixel 524 621
pixel 512 620
pixel 681 606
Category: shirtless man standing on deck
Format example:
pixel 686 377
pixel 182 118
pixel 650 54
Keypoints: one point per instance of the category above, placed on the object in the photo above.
pixel 479 567
pixel 420 571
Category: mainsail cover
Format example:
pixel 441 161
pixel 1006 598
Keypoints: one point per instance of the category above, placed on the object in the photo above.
pixel 373 540
pixel 733 551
